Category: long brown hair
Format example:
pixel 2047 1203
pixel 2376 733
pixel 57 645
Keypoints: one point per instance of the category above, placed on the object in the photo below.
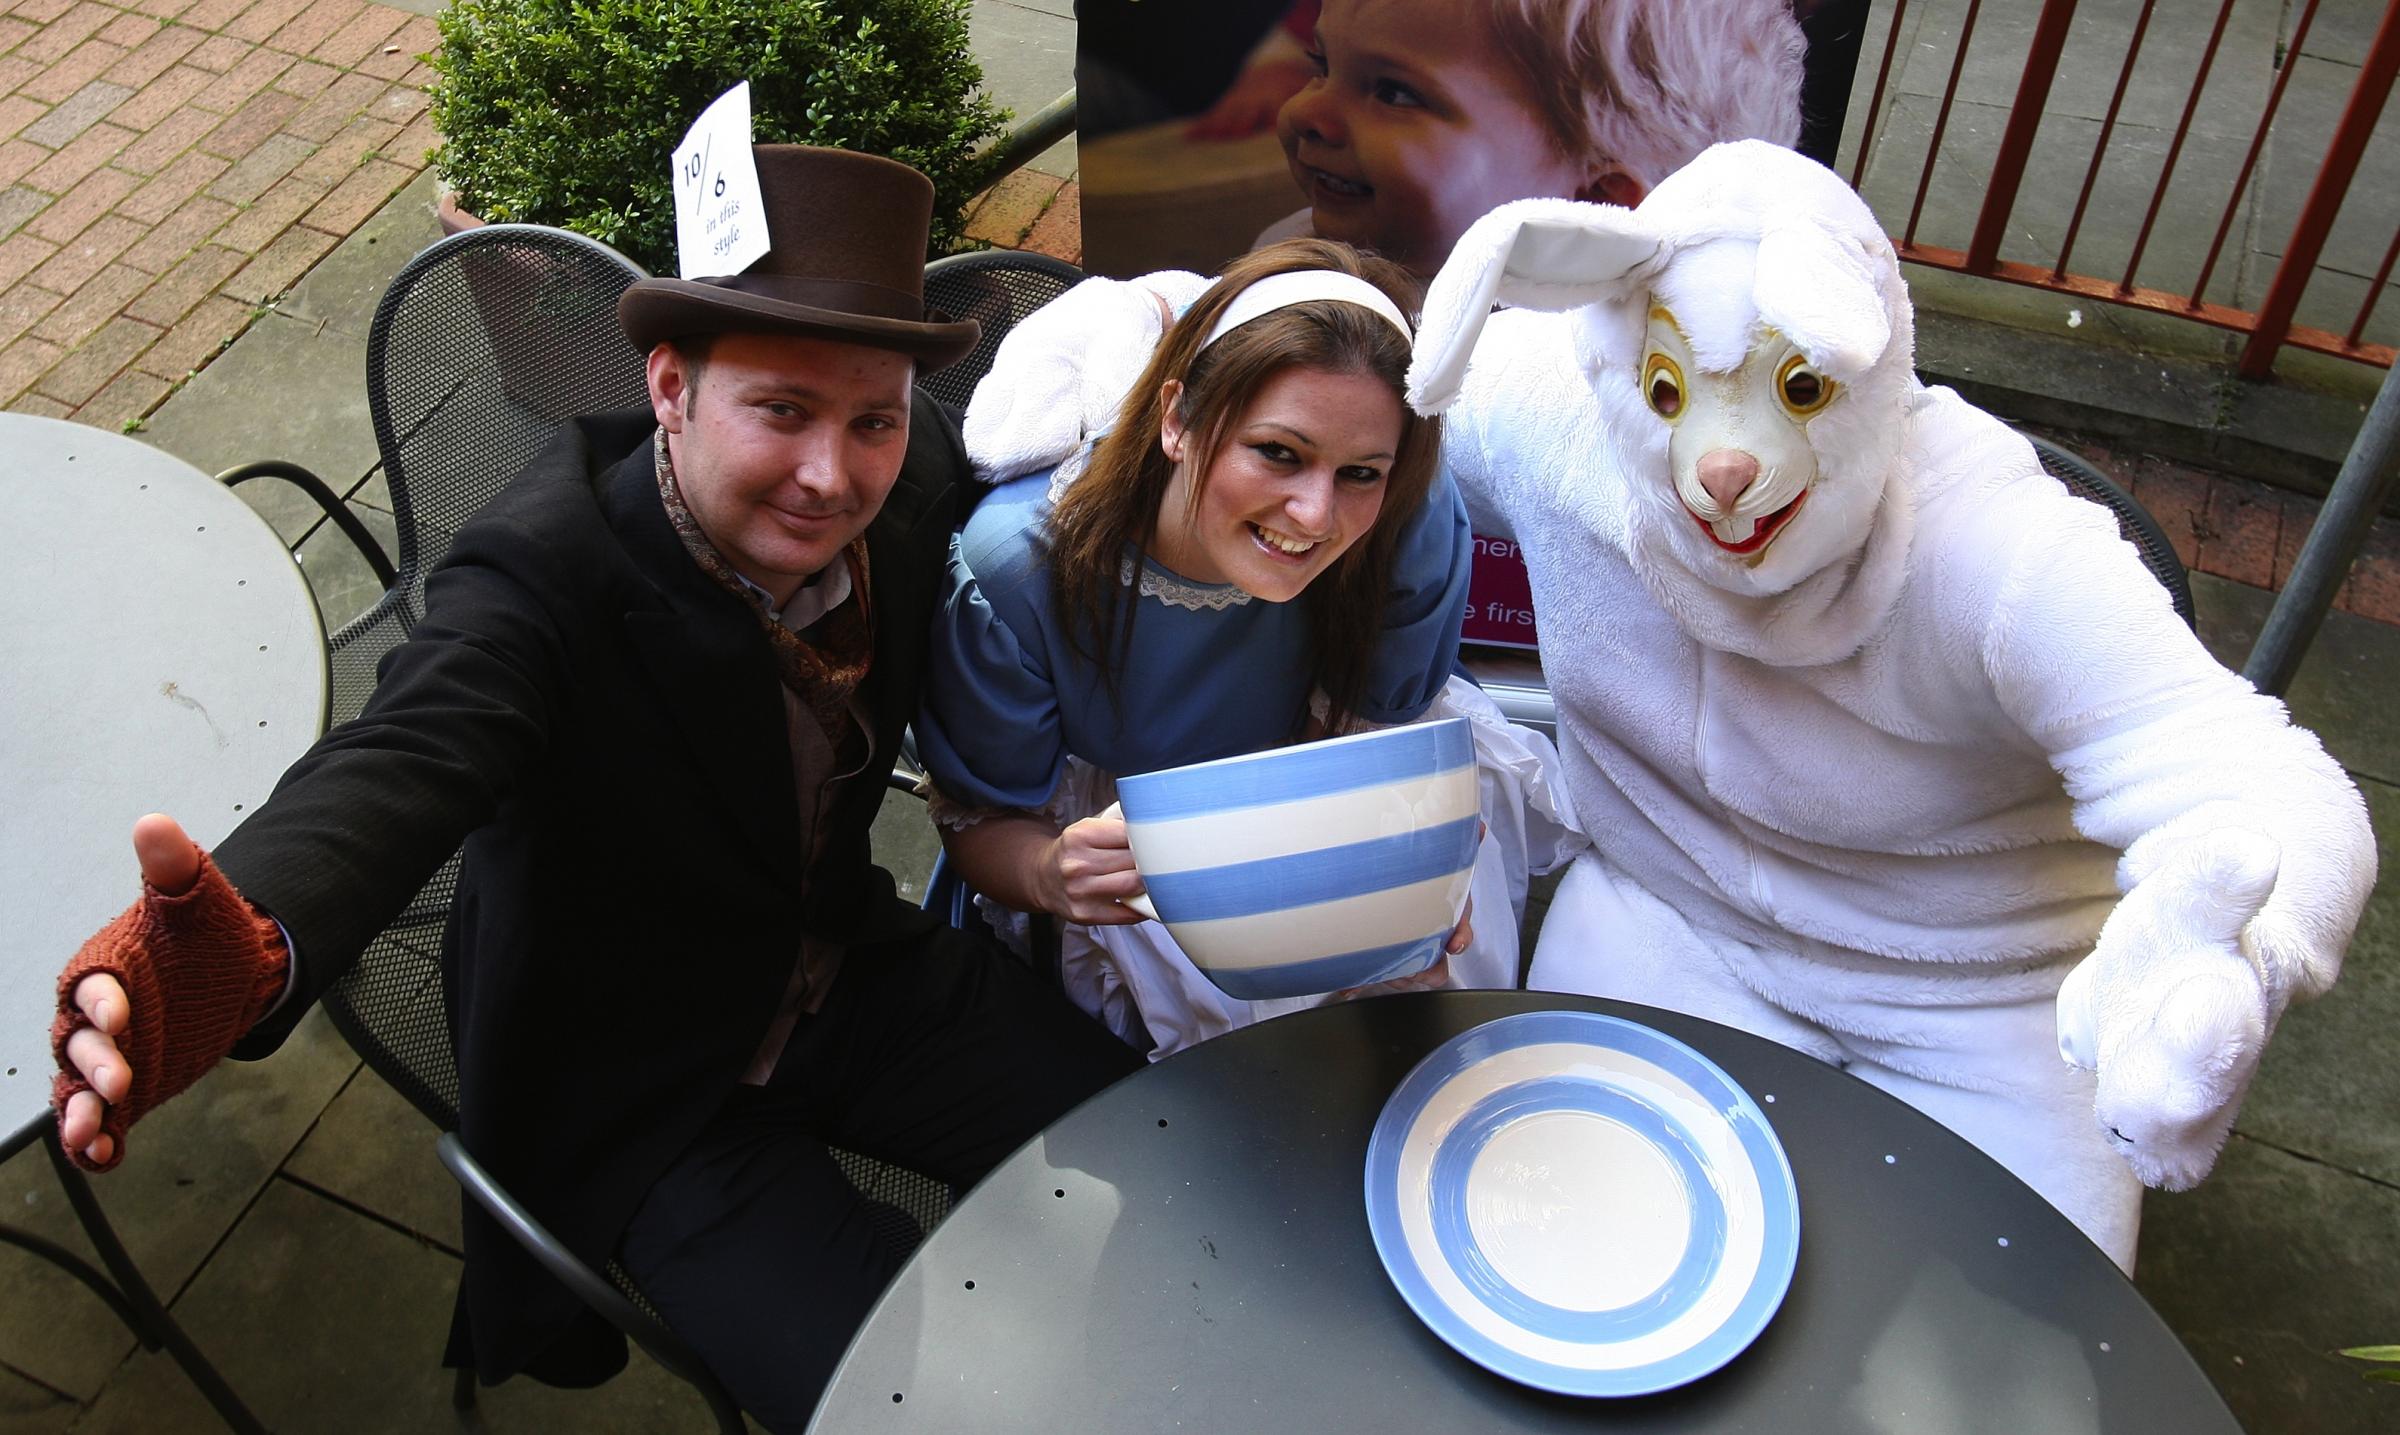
pixel 1117 499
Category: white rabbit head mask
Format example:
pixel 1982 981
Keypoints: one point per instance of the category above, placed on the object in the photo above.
pixel 1747 336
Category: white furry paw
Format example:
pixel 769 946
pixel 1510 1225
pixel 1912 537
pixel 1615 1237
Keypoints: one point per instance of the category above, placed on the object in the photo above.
pixel 2171 1088
pixel 2170 1012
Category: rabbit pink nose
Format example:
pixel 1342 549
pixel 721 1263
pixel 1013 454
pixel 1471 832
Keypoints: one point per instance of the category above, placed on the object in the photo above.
pixel 1727 473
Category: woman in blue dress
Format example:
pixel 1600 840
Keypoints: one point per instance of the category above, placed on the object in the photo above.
pixel 1258 549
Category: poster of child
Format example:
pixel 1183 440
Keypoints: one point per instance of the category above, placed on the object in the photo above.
pixel 1393 124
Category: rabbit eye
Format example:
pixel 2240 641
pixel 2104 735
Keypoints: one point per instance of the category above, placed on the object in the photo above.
pixel 1662 386
pixel 1802 388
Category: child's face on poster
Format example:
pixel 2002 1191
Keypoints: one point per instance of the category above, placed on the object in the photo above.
pixel 1415 126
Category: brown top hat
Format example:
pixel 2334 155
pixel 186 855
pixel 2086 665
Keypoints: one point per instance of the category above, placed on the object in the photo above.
pixel 848 263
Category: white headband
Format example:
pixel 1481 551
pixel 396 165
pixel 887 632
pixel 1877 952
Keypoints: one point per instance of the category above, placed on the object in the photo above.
pixel 1299 286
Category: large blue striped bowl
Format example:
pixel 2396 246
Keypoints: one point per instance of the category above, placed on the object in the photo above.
pixel 1310 869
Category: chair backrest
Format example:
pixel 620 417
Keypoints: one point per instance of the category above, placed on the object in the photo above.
pixel 996 288
pixel 482 347
pixel 2133 521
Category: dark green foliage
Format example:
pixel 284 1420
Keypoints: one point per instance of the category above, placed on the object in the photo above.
pixel 565 112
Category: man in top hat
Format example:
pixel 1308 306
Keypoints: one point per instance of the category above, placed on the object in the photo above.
pixel 657 691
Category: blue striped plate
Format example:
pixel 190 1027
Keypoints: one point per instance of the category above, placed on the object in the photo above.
pixel 1582 1204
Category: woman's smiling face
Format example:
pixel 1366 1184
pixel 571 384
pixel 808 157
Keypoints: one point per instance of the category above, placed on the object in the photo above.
pixel 1298 479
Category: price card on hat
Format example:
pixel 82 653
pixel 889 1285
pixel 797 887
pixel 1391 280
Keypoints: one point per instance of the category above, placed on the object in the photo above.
pixel 720 220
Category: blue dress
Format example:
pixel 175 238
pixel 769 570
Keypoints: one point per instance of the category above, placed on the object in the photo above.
pixel 1014 717
pixel 1212 672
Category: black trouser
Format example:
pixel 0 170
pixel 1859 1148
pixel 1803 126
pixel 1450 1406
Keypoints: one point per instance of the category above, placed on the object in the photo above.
pixel 942 1056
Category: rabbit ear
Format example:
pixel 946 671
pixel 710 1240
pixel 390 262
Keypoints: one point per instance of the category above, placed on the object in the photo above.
pixel 1826 292
pixel 1534 253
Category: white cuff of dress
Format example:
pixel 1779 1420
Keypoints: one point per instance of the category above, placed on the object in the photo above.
pixel 948 812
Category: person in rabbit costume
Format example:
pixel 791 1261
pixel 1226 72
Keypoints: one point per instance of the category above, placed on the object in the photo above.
pixel 1888 748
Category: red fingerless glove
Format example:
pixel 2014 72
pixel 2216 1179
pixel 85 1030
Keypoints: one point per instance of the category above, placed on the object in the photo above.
pixel 199 970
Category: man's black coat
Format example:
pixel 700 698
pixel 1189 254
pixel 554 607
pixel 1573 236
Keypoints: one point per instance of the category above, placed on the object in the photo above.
pixel 608 724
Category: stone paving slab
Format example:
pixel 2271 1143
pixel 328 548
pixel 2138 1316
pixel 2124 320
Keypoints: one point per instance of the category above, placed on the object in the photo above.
pixel 375 1151
pixel 327 1320
pixel 2362 232
pixel 29 1409
pixel 2325 1089
pixel 2341 29
pixel 309 351
pixel 170 166
pixel 1028 57
pixel 191 1169
pixel 344 582
pixel 289 391
pixel 2268 1268
pixel 342 290
pixel 2175 252
pixel 905 844
pixel 2090 64
pixel 2328 1073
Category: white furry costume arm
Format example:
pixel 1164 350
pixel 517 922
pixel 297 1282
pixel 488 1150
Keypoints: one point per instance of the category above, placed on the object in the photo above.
pixel 1522 425
pixel 1522 418
pixel 1516 411
pixel 1063 372
pixel 2247 852
pixel 1466 452
pixel 2158 744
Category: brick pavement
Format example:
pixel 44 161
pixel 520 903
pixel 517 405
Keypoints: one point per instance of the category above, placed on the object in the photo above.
pixel 2243 530
pixel 169 167
pixel 1030 210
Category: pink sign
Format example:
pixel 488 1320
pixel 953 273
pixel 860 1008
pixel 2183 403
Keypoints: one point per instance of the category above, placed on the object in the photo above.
pixel 1499 596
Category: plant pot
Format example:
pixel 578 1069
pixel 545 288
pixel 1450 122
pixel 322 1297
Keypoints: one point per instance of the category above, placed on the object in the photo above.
pixel 453 219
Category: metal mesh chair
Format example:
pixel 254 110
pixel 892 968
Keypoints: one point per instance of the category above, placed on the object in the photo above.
pixel 483 346
pixel 2133 521
pixel 996 288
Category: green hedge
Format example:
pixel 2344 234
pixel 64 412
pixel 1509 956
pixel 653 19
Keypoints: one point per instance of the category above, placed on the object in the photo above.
pixel 566 112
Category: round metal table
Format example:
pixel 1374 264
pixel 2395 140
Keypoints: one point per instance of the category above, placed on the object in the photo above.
pixel 1189 1251
pixel 160 653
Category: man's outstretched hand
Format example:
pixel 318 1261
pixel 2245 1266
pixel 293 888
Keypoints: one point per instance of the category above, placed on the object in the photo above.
pixel 171 863
pixel 194 954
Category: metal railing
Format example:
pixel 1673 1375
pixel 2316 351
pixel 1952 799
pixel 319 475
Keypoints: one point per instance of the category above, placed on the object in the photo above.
pixel 1038 131
pixel 2270 326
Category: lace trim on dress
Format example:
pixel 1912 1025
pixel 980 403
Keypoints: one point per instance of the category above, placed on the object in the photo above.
pixel 947 811
pixel 1071 468
pixel 1320 704
pixel 1180 593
